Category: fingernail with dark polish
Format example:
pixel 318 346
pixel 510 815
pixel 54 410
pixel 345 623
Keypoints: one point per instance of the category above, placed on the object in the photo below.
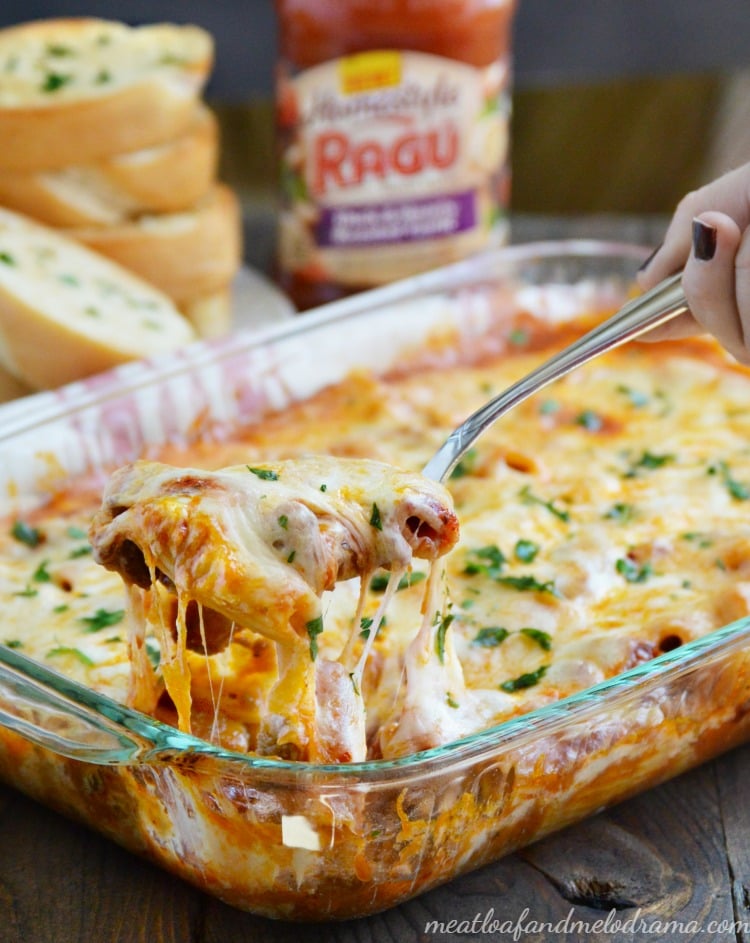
pixel 646 262
pixel 704 240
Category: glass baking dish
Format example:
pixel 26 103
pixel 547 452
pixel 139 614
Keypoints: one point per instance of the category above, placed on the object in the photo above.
pixel 311 842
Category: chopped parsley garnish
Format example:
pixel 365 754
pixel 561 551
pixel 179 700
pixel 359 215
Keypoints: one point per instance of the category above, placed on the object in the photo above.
pixel 635 397
pixel 649 461
pixel 488 560
pixel 56 49
pixel 63 607
pixel 324 487
pixel 77 533
pixel 701 539
pixel 548 407
pixel 83 551
pixel 26 534
pixel 153 652
pixel 440 637
pixel 620 512
pixel 375 519
pixel 450 700
pixel 542 639
pixel 102 618
pixel 379 582
pixel 490 636
pixel 169 58
pixel 632 572
pixel 467 465
pixel 365 624
pixel 528 497
pixel 7 259
pixel 738 490
pixel 314 628
pixel 265 474
pixel 54 81
pixel 292 555
pixel 75 652
pixel 494 566
pixel 41 573
pixel 526 550
pixel 283 521
pixel 526 680
pixel 590 420
pixel 13 643
pixel 518 337
pixel 29 592
pixel 527 584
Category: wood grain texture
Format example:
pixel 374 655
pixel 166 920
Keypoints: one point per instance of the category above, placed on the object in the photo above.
pixel 60 882
pixel 733 783
pixel 677 856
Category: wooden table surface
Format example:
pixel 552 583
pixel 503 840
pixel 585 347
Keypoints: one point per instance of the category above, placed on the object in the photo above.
pixel 671 864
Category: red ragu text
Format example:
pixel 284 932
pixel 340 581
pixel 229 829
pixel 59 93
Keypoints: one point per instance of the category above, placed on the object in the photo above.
pixel 339 162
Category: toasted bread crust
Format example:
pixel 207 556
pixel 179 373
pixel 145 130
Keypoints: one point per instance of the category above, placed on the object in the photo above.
pixel 66 312
pixel 185 255
pixel 163 179
pixel 175 176
pixel 66 109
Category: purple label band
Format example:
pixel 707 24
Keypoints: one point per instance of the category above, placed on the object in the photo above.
pixel 405 221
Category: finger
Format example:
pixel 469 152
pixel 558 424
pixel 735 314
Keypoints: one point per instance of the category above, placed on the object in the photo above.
pixel 742 290
pixel 729 195
pixel 669 257
pixel 709 281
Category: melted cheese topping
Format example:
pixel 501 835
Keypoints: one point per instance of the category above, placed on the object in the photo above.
pixel 601 523
pixel 255 547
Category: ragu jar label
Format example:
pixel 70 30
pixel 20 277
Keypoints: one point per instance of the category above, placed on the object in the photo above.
pixel 393 137
pixel 392 162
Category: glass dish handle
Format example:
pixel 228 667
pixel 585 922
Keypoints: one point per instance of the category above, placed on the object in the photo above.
pixel 51 711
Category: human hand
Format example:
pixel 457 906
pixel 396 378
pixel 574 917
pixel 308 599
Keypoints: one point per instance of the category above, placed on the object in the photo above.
pixel 709 235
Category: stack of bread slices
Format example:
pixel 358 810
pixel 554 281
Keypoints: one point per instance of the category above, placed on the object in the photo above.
pixel 106 144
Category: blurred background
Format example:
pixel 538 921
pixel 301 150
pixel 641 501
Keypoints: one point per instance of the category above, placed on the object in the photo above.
pixel 620 106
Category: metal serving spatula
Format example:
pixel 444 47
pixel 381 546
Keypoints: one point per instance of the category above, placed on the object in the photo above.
pixel 657 306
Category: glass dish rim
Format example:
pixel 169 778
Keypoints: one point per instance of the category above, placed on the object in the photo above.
pixel 166 742
pixel 21 416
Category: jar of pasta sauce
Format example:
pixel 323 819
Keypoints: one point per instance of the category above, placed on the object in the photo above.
pixel 392 120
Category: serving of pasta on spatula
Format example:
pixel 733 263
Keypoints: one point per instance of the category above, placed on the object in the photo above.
pixel 208 556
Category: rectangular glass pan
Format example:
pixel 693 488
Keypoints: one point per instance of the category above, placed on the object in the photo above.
pixel 305 841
